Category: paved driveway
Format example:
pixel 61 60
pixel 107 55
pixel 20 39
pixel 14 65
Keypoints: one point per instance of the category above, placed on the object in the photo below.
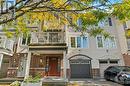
pixel 94 82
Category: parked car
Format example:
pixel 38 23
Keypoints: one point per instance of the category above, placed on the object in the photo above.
pixel 120 74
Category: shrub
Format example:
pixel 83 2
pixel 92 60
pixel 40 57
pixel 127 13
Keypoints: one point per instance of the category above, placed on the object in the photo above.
pixel 16 83
pixel 33 79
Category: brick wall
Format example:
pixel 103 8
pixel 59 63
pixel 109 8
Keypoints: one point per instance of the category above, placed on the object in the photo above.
pixel 95 72
pixel 126 58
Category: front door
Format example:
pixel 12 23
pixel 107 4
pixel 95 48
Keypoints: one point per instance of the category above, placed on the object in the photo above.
pixel 53 66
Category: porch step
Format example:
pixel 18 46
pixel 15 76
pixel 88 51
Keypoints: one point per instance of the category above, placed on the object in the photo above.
pixel 9 80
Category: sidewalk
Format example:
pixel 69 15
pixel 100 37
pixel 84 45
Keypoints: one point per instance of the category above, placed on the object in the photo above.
pixel 86 84
pixel 92 82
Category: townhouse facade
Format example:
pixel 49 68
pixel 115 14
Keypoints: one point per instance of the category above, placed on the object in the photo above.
pixel 125 44
pixel 6 51
pixel 64 53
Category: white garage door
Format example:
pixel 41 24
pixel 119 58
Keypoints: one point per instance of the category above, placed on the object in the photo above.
pixel 103 64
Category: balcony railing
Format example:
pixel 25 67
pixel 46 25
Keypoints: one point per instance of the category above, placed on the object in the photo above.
pixel 47 37
pixel 6 44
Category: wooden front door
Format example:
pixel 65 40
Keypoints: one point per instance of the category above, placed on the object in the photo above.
pixel 53 66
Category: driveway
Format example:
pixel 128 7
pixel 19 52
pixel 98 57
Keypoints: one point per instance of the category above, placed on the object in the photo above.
pixel 94 82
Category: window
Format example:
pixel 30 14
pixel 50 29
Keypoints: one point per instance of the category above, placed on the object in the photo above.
pixel 0 40
pixel 10 3
pixel 105 22
pixel 9 44
pixel 5 60
pixel 115 69
pixel 26 39
pixel 100 42
pixel 103 61
pixel 110 21
pixel 124 25
pixel 85 42
pixel 79 22
pixel 79 42
pixel 128 43
pixel 73 42
pixel 110 42
pixel 106 43
pixel 113 61
pixel 41 62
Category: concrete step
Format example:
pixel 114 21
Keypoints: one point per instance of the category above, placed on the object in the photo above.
pixel 9 80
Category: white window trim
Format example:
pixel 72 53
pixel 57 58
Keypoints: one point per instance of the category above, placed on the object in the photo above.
pixel 26 41
pixel 3 41
pixel 97 42
pixel 76 42
pixel 115 42
pixel 103 41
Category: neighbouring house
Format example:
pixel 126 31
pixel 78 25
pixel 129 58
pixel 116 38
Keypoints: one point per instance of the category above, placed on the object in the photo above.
pixel 65 53
pixel 125 41
pixel 6 52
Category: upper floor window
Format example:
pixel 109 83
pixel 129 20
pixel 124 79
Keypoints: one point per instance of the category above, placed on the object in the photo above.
pixel 106 43
pixel 124 25
pixel 100 41
pixel 79 42
pixel 105 22
pixel 0 40
pixel 26 39
pixel 110 42
pixel 73 44
pixel 110 21
pixel 128 43
pixel 79 22
pixel 10 3
pixel 9 44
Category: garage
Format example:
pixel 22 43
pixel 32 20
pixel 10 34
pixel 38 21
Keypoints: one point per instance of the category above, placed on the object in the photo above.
pixel 80 66
pixel 103 64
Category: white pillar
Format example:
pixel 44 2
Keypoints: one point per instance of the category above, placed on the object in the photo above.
pixel 27 65
pixel 1 58
pixel 64 64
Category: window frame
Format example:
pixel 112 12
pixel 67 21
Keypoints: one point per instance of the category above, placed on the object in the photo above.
pixel 102 42
pixel 125 26
pixel 110 23
pixel 3 41
pixel 81 42
pixel 26 42
pixel 110 43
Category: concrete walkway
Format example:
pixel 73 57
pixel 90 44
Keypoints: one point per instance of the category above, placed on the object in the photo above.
pixel 87 82
pixel 93 82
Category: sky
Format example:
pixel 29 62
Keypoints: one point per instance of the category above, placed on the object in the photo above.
pixel 114 1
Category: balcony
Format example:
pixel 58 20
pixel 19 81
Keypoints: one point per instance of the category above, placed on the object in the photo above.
pixel 6 45
pixel 47 40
